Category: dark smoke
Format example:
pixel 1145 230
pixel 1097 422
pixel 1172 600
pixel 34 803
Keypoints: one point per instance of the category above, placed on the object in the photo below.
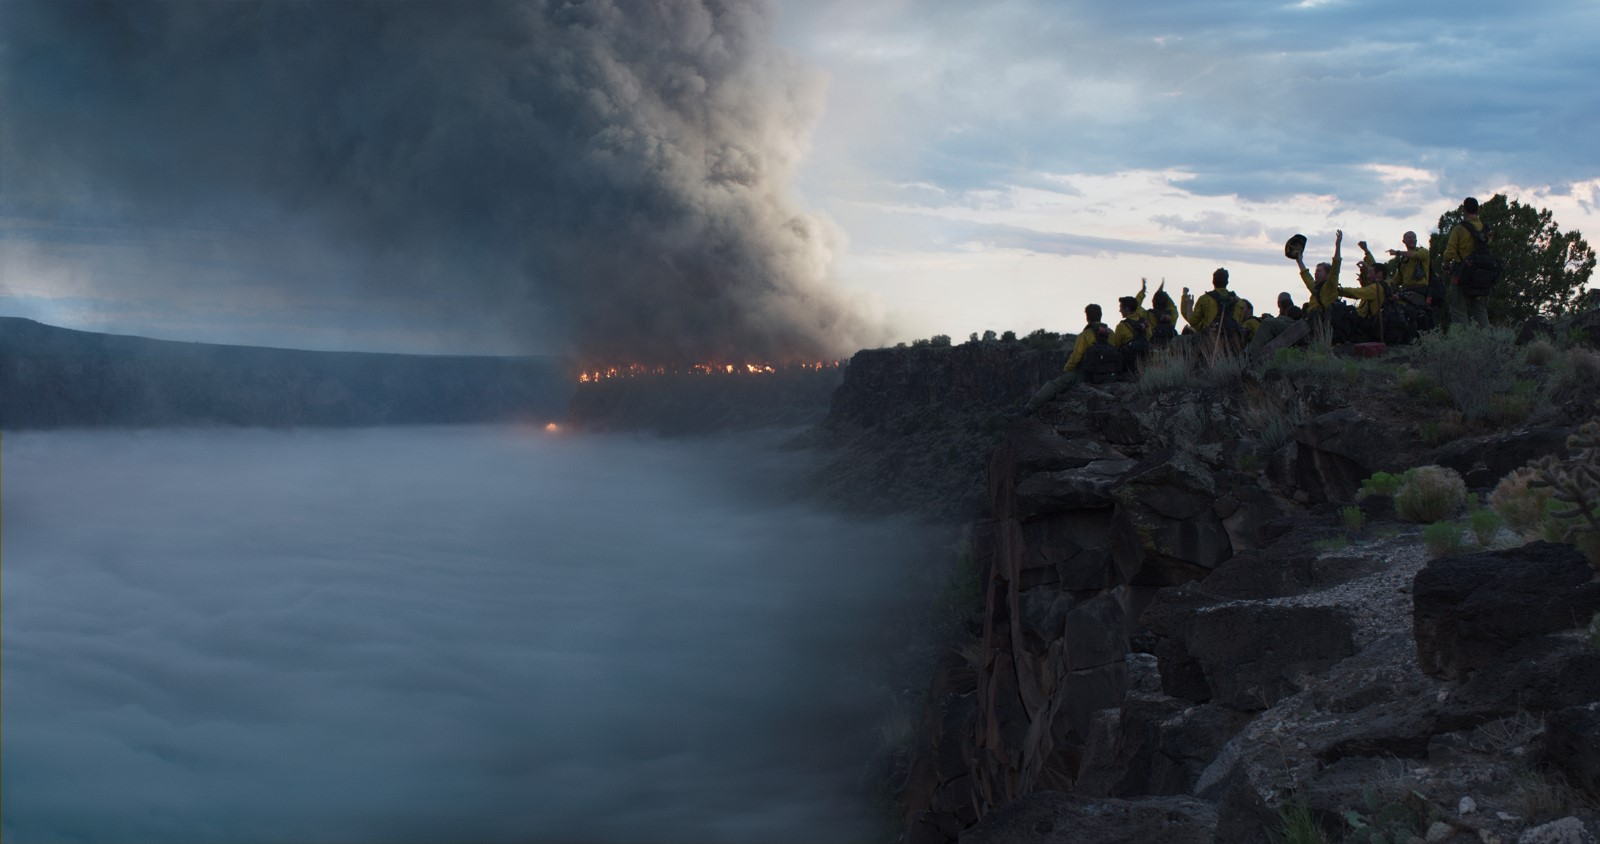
pixel 615 172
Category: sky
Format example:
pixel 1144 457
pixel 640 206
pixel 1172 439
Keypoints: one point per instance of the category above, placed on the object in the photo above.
pixel 773 179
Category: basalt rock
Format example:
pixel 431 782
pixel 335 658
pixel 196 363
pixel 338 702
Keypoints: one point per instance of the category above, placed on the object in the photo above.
pixel 1050 817
pixel 1483 461
pixel 1469 610
pixel 1340 448
pixel 1572 745
pixel 1166 528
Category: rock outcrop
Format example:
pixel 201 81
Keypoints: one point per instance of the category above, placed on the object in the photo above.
pixel 1175 648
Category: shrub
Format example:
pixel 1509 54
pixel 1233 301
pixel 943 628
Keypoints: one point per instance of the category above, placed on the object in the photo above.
pixel 1442 538
pixel 1269 424
pixel 1166 368
pixel 1353 518
pixel 1008 337
pixel 1521 504
pixel 1334 543
pixel 1415 384
pixel 1429 493
pixel 1382 483
pixel 1574 507
pixel 1540 353
pixel 1223 370
pixel 1297 825
pixel 1471 364
pixel 1486 524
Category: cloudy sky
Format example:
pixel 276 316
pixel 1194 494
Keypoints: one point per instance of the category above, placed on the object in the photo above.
pixel 896 169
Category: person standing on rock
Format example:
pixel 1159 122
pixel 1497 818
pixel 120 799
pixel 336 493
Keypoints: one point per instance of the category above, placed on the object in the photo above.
pixel 1471 303
pixel 1094 334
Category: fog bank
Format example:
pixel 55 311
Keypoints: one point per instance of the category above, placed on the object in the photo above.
pixel 408 634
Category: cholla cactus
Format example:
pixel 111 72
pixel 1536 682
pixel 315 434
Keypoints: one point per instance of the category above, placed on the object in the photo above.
pixel 1574 484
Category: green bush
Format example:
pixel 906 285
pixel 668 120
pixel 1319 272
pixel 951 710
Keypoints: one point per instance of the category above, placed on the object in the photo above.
pixel 1333 543
pixel 1486 524
pixel 1520 503
pixel 1540 353
pixel 1471 364
pixel 1297 825
pixel 1442 538
pixel 1353 518
pixel 1382 483
pixel 1414 383
pixel 1429 493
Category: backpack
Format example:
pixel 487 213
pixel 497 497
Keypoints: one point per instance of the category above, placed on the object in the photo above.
pixel 1480 270
pixel 1136 349
pixel 1165 333
pixel 1230 329
pixel 1102 362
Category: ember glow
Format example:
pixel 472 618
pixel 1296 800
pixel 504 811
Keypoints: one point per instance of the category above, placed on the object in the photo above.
pixel 635 370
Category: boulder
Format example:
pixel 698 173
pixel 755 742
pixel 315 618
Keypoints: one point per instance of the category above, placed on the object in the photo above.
pixel 1254 654
pixel 1572 745
pixel 1483 461
pixel 1537 674
pixel 1168 620
pixel 1053 817
pixel 1469 610
pixel 1074 546
pixel 1157 747
pixel 1165 528
pixel 1338 450
pixel 1084 488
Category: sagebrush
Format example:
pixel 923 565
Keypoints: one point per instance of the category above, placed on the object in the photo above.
pixel 1472 364
pixel 1429 493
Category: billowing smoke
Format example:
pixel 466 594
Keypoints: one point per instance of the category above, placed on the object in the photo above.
pixel 615 172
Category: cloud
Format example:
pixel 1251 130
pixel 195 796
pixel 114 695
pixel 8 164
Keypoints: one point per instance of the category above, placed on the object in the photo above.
pixel 1258 100
pixel 615 174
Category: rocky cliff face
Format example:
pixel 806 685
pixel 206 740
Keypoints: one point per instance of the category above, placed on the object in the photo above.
pixel 55 377
pixel 1159 624
pixel 910 429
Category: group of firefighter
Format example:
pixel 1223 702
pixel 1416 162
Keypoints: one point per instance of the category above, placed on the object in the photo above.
pixel 1394 302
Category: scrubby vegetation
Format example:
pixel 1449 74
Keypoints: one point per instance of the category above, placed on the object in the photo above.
pixel 1429 493
pixel 1472 364
pixel 1520 502
pixel 1573 512
pixel 1382 483
pixel 1442 538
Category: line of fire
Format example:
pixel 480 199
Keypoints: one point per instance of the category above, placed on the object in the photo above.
pixel 588 376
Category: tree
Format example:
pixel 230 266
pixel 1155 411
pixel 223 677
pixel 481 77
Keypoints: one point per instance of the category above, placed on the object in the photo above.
pixel 940 340
pixel 1009 337
pixel 1546 270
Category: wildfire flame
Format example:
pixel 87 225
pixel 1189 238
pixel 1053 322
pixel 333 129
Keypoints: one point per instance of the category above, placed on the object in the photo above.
pixel 637 370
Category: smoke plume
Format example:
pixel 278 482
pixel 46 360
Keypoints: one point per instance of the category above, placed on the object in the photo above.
pixel 614 171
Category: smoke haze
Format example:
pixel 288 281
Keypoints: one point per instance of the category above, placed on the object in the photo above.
pixel 610 178
pixel 467 634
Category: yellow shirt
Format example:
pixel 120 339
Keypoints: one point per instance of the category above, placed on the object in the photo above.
pixel 1419 258
pixel 1329 292
pixel 1124 332
pixel 1461 242
pixel 1371 296
pixel 1086 339
pixel 1205 311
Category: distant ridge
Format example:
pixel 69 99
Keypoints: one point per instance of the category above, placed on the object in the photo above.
pixel 54 377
